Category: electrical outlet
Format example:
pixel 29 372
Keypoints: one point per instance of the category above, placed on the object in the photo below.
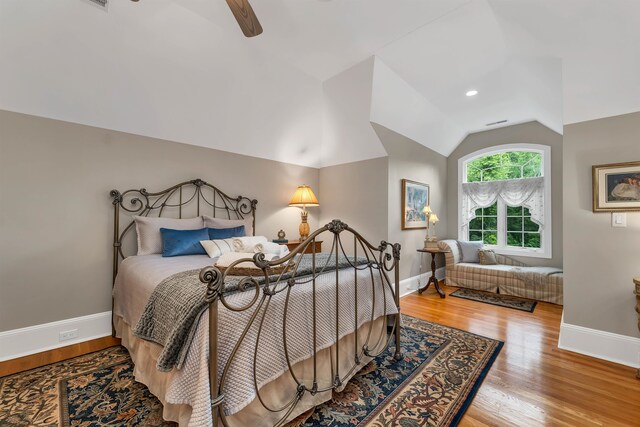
pixel 67 335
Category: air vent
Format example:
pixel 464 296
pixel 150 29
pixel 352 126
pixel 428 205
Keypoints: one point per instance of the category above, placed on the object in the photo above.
pixel 497 123
pixel 102 3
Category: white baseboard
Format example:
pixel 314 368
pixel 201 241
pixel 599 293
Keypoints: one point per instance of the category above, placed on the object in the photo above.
pixel 38 338
pixel 600 344
pixel 412 284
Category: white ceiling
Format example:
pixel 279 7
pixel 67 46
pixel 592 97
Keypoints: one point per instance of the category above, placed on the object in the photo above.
pixel 468 49
pixel 598 42
pixel 325 37
pixel 181 69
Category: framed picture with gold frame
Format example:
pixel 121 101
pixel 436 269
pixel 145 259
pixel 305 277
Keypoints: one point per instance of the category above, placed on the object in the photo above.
pixel 616 187
pixel 415 196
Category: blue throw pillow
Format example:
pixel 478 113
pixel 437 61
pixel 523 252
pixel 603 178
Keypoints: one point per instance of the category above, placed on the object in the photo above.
pixel 183 242
pixel 226 233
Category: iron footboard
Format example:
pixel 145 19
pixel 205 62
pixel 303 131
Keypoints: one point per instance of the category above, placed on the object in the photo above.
pixel 378 261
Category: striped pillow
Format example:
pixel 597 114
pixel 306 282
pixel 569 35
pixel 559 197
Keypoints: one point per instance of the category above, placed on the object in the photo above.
pixel 215 248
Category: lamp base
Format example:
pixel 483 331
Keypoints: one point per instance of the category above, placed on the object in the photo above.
pixel 304 228
pixel 431 243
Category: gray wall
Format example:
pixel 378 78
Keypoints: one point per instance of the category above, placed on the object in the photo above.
pixel 357 194
pixel 528 133
pixel 410 160
pixel 599 261
pixel 367 195
pixel 56 215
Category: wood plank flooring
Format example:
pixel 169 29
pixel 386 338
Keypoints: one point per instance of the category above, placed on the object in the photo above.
pixel 532 382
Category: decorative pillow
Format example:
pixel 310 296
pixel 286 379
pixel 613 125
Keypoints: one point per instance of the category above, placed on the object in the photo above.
pixel 487 257
pixel 215 248
pixel 211 222
pixel 148 231
pixel 225 233
pixel 469 251
pixel 182 242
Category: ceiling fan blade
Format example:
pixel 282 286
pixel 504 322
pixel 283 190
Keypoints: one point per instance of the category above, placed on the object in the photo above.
pixel 245 16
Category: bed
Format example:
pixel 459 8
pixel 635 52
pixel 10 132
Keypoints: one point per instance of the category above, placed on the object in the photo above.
pixel 266 347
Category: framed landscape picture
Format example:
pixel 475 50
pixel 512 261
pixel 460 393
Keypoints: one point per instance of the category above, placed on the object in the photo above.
pixel 415 196
pixel 616 187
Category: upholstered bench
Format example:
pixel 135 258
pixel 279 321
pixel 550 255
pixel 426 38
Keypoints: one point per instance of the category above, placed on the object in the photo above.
pixel 499 278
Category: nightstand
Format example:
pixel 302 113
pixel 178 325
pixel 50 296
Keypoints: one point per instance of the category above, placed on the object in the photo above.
pixel 292 244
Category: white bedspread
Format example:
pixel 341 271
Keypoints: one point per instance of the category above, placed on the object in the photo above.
pixel 139 275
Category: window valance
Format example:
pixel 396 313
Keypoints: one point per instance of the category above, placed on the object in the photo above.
pixel 527 192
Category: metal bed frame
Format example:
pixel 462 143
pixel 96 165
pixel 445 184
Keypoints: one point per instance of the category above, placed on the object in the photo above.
pixel 381 261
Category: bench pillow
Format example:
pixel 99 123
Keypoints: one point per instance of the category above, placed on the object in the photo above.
pixel 469 251
pixel 487 257
pixel 148 231
pixel 183 242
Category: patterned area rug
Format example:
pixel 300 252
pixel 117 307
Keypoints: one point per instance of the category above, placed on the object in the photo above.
pixel 508 301
pixel 434 383
pixel 96 389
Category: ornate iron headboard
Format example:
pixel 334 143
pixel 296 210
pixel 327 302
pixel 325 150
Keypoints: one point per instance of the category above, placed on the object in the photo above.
pixel 175 200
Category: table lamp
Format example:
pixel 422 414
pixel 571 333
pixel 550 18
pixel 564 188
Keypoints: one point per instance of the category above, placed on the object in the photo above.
pixel 431 241
pixel 304 197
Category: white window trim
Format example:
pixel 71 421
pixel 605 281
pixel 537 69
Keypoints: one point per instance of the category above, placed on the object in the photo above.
pixel 546 234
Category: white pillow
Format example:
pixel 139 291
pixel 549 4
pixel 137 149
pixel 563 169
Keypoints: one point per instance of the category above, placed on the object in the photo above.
pixel 215 248
pixel 148 230
pixel 211 222
pixel 469 251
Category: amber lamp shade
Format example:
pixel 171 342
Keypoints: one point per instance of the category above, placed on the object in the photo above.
pixel 304 197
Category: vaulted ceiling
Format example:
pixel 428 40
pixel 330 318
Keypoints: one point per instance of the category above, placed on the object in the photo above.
pixel 182 70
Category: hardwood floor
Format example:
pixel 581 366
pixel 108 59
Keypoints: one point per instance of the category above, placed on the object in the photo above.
pixel 532 382
pixel 52 356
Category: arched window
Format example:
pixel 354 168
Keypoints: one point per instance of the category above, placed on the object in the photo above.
pixel 505 199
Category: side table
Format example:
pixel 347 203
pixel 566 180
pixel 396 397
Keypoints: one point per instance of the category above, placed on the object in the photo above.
pixel 433 278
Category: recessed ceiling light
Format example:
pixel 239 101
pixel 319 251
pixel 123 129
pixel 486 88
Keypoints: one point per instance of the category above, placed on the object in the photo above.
pixel 472 92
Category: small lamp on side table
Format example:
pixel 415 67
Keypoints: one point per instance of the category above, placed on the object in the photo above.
pixel 431 240
pixel 304 197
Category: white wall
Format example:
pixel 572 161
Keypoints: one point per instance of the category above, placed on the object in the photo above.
pixel 348 136
pixel 398 106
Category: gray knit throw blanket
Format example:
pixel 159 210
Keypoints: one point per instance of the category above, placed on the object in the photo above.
pixel 171 315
